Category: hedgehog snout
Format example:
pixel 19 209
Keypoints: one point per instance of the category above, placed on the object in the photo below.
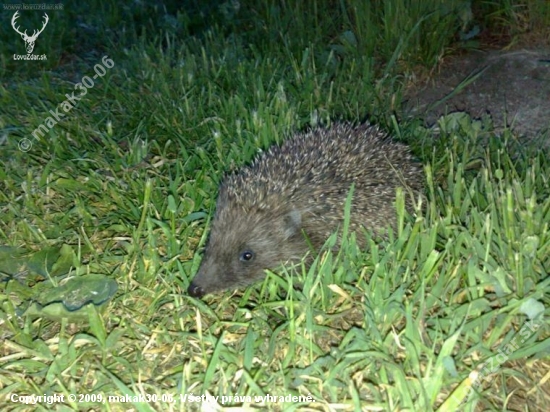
pixel 195 291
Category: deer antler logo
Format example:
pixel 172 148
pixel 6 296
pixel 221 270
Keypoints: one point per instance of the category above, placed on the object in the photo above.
pixel 29 40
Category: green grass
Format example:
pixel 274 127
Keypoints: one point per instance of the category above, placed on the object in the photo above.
pixel 124 185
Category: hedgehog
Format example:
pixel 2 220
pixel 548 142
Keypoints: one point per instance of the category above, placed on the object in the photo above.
pixel 291 198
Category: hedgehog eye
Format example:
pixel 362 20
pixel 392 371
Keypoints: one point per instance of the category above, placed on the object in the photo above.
pixel 246 256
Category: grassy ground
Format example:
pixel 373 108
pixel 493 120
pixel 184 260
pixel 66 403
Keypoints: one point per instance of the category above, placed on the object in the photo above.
pixel 115 193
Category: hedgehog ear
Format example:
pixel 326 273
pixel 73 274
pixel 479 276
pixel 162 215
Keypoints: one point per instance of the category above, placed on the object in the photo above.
pixel 292 223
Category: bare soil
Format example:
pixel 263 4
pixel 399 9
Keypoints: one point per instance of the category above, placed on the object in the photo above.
pixel 513 87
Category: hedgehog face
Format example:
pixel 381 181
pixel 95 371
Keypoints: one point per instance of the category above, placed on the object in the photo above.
pixel 243 242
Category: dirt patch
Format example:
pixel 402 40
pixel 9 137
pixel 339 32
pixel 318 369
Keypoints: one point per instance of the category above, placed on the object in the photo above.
pixel 513 87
